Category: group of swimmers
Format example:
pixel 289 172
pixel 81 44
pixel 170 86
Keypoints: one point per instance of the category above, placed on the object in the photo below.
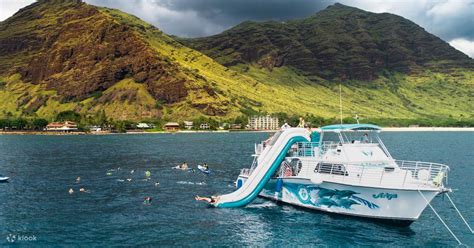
pixel 184 166
pixel 82 189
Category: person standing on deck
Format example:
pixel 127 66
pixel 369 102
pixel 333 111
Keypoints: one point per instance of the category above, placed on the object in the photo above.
pixel 301 124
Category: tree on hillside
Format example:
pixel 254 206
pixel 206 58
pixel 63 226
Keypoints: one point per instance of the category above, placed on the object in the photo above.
pixel 39 124
pixel 100 118
pixel 68 115
pixel 4 124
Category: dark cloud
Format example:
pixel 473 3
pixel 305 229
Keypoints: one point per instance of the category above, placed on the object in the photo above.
pixel 449 19
pixel 206 17
pixel 240 10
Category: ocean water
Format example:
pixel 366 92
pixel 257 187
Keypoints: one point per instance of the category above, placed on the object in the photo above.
pixel 37 210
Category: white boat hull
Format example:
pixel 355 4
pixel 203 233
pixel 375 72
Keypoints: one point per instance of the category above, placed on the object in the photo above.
pixel 394 205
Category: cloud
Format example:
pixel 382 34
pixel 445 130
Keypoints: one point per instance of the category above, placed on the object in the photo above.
pixel 192 18
pixel 447 19
pixel 183 22
pixel 465 46
pixel 10 7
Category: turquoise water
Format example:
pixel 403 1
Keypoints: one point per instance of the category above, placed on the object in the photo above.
pixel 36 202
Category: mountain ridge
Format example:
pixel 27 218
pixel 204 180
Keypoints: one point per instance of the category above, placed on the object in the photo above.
pixel 66 55
pixel 337 43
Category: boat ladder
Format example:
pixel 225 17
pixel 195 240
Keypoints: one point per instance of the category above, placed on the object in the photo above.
pixel 442 221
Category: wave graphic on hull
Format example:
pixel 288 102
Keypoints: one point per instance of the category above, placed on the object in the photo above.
pixel 318 196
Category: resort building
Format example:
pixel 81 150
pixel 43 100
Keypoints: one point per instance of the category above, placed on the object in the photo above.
pixel 66 126
pixel 171 126
pixel 188 125
pixel 263 123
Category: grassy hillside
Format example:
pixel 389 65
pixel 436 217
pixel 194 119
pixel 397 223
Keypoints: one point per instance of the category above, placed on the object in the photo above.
pixel 67 55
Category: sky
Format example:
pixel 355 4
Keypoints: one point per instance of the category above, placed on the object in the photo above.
pixel 451 20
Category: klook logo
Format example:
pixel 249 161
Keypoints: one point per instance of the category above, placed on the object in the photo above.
pixel 12 238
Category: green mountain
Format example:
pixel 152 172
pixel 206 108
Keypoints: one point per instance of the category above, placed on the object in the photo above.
pixel 338 43
pixel 58 55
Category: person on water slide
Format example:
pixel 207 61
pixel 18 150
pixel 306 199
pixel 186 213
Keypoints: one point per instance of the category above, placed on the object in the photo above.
pixel 212 199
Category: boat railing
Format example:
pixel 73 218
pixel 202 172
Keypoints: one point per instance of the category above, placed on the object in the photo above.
pixel 245 172
pixel 259 147
pixel 399 173
pixel 248 171
pixel 304 149
pixel 426 171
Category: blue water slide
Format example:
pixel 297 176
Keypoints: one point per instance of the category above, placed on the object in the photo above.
pixel 261 175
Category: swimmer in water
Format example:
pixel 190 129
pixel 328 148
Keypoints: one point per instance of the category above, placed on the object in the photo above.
pixel 147 200
pixel 71 191
pixel 83 190
pixel 212 199
pixel 78 179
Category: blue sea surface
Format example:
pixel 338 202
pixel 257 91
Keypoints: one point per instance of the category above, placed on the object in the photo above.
pixel 36 203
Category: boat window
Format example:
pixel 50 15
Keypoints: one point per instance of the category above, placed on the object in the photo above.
pixel 328 168
pixel 330 137
pixel 360 137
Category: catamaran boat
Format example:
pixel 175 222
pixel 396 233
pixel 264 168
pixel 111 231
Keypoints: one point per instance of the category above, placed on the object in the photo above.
pixel 342 169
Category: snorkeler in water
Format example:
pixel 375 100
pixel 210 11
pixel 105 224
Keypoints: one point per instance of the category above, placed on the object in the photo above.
pixel 147 200
pixel 212 199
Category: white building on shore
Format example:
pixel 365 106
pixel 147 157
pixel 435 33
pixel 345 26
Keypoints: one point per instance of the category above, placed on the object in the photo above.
pixel 263 123
pixel 67 126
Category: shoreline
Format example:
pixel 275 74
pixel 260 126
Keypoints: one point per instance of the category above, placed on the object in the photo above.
pixel 384 129
pixel 428 129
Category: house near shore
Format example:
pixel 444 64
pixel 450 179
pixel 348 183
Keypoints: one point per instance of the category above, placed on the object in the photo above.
pixel 67 126
pixel 236 126
pixel 204 126
pixel 188 125
pixel 95 128
pixel 171 126
pixel 142 125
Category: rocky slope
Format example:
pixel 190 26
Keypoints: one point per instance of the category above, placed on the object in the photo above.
pixel 80 51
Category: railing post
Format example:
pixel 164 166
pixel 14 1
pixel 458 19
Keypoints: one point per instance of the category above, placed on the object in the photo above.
pixel 405 178
pixel 428 179
pixel 361 174
pixel 381 177
pixel 416 169
pixel 332 168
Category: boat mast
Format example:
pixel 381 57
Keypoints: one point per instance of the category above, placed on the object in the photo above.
pixel 340 102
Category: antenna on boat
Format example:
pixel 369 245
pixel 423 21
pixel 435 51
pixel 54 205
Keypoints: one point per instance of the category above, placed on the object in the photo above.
pixel 340 102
